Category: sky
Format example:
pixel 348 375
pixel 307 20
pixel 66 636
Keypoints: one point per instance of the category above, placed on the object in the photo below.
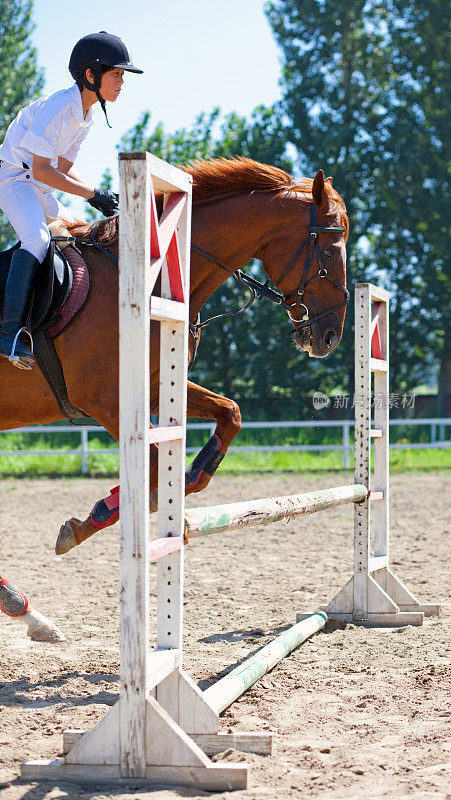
pixel 195 55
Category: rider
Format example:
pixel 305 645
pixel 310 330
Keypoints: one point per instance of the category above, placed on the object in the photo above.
pixel 38 154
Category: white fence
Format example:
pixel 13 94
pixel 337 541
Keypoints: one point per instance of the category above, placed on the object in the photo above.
pixel 437 438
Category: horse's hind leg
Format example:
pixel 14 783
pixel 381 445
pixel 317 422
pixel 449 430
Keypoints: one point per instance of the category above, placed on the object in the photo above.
pixel 14 603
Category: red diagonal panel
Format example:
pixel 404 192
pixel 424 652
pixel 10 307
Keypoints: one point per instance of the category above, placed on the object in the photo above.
pixel 174 270
pixel 168 245
pixel 169 219
pixel 376 346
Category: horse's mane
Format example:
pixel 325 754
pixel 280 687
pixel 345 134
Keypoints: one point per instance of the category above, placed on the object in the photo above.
pixel 213 177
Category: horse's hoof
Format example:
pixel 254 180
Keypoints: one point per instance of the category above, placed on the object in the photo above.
pixel 66 539
pixel 41 629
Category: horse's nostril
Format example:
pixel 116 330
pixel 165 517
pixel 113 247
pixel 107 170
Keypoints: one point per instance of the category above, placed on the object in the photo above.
pixel 330 339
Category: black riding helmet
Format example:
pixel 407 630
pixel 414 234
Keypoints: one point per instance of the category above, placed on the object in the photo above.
pixel 99 50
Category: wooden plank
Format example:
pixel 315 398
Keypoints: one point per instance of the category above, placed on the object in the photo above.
pixel 171 459
pixel 162 663
pixel 162 172
pixel 214 778
pixel 378 562
pixel 361 447
pixel 378 365
pixel 164 310
pixel 380 511
pixel 382 620
pixel 100 745
pixel 210 743
pixel 168 433
pixel 186 704
pixel 375 292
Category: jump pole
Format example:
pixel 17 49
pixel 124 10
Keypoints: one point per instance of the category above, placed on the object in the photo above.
pixel 225 691
pixel 209 520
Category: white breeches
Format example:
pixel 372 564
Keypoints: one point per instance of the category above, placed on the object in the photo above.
pixel 29 208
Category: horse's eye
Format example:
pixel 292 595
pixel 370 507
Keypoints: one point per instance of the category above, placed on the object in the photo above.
pixel 329 253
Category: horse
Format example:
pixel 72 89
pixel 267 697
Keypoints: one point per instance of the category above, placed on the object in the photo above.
pixel 242 210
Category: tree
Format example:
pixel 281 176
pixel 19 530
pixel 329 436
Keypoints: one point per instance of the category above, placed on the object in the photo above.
pixel 364 94
pixel 21 79
pixel 412 185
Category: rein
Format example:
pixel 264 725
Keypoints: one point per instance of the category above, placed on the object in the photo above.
pixel 91 242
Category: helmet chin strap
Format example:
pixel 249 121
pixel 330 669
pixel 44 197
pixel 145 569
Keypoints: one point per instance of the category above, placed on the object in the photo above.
pixel 95 87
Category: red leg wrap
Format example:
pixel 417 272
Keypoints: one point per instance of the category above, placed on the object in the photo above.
pixel 12 601
pixel 107 510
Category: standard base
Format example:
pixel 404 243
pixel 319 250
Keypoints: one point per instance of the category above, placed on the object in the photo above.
pixel 387 602
pixel 214 777
pixel 375 620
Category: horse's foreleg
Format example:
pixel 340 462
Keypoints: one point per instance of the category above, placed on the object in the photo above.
pixel 200 403
pixel 104 513
pixel 208 405
pixel 15 604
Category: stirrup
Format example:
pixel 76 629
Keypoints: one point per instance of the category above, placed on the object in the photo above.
pixel 22 362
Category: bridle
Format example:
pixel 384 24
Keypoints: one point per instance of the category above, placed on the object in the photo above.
pixel 312 241
pixel 263 289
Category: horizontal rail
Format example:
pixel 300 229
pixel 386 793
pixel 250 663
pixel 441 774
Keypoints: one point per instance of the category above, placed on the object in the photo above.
pixel 234 516
pixel 231 516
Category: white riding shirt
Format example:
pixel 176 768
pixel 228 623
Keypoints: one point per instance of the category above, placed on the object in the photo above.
pixel 51 126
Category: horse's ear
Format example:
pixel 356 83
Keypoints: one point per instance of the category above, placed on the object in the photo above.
pixel 329 180
pixel 319 192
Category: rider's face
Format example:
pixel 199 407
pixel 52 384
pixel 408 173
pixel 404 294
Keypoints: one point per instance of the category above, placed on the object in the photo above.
pixel 111 84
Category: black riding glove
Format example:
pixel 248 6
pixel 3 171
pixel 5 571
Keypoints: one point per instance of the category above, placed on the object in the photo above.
pixel 105 201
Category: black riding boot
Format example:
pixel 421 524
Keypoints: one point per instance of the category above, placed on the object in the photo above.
pixel 16 307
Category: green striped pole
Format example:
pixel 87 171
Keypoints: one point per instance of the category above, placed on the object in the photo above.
pixel 233 516
pixel 224 692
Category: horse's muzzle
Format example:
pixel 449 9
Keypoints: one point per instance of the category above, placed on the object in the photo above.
pixel 317 340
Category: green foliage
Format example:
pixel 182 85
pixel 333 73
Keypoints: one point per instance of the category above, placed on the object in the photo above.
pixel 261 137
pixel 364 97
pixel 365 92
pixel 21 79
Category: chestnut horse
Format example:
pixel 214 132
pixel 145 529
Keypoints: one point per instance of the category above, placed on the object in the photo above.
pixel 241 210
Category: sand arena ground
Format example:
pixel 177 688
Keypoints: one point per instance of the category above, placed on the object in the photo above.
pixel 356 713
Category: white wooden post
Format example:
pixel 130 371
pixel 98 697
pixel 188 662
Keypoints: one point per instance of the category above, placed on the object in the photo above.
pixel 134 444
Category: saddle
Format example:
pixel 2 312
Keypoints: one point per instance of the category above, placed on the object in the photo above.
pixel 53 284
pixel 61 291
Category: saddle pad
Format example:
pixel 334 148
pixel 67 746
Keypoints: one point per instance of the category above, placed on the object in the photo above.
pixel 79 293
